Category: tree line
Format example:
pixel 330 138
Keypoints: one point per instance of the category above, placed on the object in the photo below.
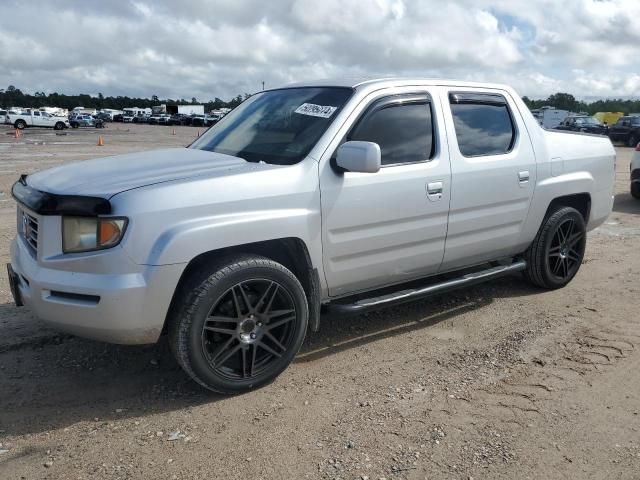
pixel 12 96
pixel 566 101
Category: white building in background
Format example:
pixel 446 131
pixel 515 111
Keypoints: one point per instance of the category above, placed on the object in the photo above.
pixel 185 109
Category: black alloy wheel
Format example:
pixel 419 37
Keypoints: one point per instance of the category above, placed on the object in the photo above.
pixel 555 255
pixel 250 326
pixel 236 324
pixel 566 249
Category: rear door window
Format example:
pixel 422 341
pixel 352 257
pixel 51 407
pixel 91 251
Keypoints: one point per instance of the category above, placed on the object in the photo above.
pixel 483 124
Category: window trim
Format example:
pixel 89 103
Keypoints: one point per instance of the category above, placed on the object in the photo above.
pixel 489 99
pixel 390 101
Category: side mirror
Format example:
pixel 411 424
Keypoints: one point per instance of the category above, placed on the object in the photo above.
pixel 361 157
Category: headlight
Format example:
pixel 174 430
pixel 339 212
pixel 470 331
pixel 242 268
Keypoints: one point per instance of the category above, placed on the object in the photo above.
pixel 84 234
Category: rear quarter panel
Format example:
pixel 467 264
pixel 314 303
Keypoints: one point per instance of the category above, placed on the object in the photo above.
pixel 572 163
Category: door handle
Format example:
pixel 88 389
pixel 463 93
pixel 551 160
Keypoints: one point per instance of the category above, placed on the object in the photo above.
pixel 523 177
pixel 434 190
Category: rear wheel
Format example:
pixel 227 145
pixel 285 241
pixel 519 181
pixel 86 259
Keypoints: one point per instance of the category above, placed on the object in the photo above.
pixel 20 124
pixel 632 141
pixel 635 190
pixel 237 325
pixel 556 253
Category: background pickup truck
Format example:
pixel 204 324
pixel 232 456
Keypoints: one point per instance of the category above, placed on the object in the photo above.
pixel 626 130
pixel 36 118
pixel 335 196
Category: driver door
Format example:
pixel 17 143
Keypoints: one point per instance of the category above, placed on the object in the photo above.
pixel 387 227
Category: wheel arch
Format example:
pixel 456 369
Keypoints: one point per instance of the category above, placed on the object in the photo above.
pixel 580 201
pixel 291 252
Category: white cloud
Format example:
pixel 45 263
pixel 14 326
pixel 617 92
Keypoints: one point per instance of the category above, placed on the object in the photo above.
pixel 220 48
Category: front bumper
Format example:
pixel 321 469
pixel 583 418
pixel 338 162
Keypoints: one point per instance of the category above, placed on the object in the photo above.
pixel 125 308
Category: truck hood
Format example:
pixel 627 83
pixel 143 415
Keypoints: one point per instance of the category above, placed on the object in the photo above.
pixel 108 176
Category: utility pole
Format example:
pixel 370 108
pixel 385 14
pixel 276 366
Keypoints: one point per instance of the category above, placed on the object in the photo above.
pixel 263 85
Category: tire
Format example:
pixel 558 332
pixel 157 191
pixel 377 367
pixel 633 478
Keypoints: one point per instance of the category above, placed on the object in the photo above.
pixel 58 126
pixel 237 324
pixel 635 190
pixel 632 141
pixel 75 124
pixel 20 124
pixel 555 255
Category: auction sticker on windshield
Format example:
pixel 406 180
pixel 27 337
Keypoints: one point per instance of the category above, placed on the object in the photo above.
pixel 323 111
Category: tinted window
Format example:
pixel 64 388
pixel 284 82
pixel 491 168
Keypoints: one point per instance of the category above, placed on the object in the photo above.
pixel 403 132
pixel 635 121
pixel 482 129
pixel 277 126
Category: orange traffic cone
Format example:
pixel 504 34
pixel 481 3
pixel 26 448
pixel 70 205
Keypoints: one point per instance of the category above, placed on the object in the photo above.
pixel 17 134
pixel 100 141
pixel 173 132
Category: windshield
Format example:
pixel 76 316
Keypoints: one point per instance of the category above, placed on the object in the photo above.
pixel 278 126
pixel 587 121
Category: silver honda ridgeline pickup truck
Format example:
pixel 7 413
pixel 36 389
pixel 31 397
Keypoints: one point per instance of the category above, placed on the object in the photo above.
pixel 338 196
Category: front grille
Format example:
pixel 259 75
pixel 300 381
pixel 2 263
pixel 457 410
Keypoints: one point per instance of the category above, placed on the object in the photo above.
pixel 29 230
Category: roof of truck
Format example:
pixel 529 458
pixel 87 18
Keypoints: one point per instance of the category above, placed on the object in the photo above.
pixel 392 81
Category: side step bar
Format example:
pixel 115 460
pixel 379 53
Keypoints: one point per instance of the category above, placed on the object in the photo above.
pixel 427 291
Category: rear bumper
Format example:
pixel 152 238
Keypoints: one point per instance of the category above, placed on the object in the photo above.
pixel 127 308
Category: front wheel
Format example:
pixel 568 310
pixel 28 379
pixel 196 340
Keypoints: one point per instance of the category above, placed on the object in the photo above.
pixel 632 141
pixel 58 126
pixel 556 253
pixel 237 325
pixel 635 190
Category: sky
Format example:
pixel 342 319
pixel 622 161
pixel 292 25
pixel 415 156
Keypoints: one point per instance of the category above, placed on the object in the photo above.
pixel 208 49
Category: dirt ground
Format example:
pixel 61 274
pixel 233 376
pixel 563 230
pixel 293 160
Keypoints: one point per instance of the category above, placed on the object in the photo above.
pixel 499 381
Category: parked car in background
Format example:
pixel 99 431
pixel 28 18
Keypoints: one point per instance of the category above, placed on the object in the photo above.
pixel 178 119
pixel 3 116
pixel 626 130
pixel 582 123
pixel 211 119
pixel 153 119
pixel 118 117
pixel 36 118
pixel 105 117
pixel 348 196
pixel 635 173
pixel 141 118
pixel 86 121
pixel 197 120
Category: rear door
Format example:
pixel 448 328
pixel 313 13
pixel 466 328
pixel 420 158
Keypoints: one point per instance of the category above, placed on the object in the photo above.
pixel 493 171
pixel 36 121
pixel 387 227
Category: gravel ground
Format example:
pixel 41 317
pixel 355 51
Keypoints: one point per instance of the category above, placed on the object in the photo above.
pixel 498 381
